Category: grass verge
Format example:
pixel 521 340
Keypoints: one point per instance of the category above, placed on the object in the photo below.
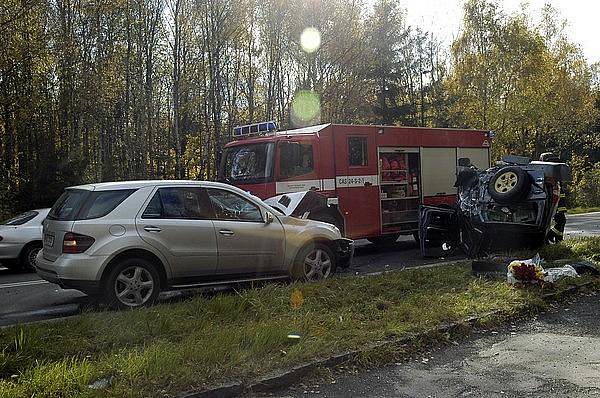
pixel 167 349
pixel 581 210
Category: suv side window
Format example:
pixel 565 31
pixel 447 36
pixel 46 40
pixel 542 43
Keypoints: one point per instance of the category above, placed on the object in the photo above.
pixel 232 207
pixel 179 203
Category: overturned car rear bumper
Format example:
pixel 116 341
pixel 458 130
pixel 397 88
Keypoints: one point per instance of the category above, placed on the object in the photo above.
pixel 497 236
pixel 444 230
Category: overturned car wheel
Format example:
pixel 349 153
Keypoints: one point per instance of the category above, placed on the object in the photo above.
pixel 509 184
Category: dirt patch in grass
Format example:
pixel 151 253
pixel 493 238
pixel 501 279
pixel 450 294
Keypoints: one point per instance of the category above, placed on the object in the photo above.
pixel 170 348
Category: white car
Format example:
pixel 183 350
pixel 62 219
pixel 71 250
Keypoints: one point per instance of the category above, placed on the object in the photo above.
pixel 21 239
pixel 128 240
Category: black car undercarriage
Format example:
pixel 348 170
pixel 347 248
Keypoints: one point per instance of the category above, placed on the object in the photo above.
pixel 508 206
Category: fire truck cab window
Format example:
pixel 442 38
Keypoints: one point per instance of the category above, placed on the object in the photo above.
pixel 296 159
pixel 357 151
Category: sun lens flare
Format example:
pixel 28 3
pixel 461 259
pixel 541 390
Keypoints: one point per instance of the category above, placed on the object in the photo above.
pixel 306 107
pixel 310 40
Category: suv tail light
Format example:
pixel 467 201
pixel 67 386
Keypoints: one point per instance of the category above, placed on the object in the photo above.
pixel 76 243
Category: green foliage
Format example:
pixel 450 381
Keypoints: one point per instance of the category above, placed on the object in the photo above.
pixel 527 83
pixel 585 189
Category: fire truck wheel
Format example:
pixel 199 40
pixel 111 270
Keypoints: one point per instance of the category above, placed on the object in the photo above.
pixel 509 184
pixel 384 240
pixel 314 261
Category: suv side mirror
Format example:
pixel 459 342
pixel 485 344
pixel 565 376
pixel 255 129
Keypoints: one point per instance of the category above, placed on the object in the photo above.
pixel 269 218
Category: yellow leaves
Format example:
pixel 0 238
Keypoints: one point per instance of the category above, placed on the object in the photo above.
pixel 507 78
pixel 296 299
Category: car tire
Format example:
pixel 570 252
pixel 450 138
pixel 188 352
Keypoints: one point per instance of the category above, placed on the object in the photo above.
pixel 314 262
pixel 133 283
pixel 384 240
pixel 509 184
pixel 28 256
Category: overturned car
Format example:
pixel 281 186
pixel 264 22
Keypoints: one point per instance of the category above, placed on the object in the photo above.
pixel 509 206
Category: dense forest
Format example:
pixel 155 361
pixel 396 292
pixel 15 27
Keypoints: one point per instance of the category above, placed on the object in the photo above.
pixel 100 90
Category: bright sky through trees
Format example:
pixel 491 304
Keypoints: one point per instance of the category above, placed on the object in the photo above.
pixel 443 18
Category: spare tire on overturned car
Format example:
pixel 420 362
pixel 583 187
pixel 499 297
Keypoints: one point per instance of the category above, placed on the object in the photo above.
pixel 509 184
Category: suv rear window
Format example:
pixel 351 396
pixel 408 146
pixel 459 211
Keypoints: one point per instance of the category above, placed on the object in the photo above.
pixel 100 203
pixel 78 204
pixel 67 206
pixel 21 218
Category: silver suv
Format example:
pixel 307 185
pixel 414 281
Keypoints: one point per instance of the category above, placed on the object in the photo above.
pixel 126 241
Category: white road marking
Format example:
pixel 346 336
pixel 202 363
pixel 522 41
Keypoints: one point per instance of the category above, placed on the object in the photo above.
pixel 22 284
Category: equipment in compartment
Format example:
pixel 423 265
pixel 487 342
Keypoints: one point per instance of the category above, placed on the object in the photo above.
pixel 399 188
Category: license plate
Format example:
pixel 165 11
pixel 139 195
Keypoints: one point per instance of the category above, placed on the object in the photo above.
pixel 48 240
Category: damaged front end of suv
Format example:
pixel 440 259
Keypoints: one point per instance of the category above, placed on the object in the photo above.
pixel 509 206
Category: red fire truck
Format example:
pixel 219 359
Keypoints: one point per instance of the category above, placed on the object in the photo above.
pixel 374 177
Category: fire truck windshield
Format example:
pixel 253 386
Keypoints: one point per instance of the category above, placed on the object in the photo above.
pixel 248 164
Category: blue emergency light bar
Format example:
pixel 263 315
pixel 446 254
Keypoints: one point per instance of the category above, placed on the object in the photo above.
pixel 256 128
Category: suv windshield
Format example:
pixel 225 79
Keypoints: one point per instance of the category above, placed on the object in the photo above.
pixel 247 163
pixel 21 218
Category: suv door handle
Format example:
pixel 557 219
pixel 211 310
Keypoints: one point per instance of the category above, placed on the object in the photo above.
pixel 151 228
pixel 226 232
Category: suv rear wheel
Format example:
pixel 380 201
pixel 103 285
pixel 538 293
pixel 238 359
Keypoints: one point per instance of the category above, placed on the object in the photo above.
pixel 314 262
pixel 133 283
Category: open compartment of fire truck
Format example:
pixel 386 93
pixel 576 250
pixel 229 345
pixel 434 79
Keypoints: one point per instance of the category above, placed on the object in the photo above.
pixel 399 181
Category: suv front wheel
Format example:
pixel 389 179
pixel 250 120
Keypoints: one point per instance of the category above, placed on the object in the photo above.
pixel 314 261
pixel 133 283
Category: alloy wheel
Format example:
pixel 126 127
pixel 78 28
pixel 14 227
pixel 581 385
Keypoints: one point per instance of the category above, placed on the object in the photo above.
pixel 506 182
pixel 134 286
pixel 32 256
pixel 317 264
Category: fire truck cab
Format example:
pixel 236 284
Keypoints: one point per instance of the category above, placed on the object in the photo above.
pixel 374 177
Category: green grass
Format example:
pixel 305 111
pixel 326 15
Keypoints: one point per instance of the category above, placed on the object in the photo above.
pixel 581 210
pixel 588 248
pixel 170 348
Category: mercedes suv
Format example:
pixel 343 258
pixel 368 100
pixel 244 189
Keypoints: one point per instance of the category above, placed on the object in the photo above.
pixel 127 241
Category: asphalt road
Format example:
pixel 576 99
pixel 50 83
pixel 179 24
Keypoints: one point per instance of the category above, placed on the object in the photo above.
pixel 555 355
pixel 24 297
pixel 583 225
